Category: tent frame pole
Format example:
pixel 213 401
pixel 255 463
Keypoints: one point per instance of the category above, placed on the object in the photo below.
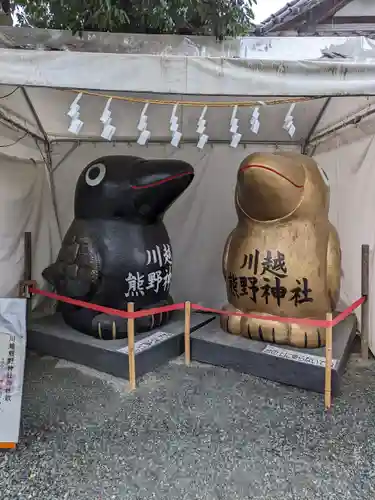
pixel 162 141
pixel 315 126
pixel 14 125
pixel 48 155
pixel 353 120
pixel 66 155
pixel 35 114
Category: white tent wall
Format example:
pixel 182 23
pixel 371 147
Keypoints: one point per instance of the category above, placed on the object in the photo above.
pixel 350 169
pixel 25 194
pixel 344 145
pixel 198 223
pixel 25 205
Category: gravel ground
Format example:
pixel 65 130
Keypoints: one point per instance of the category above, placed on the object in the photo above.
pixel 189 433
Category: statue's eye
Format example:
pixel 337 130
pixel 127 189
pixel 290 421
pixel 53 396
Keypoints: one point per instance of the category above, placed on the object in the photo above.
pixel 324 175
pixel 95 174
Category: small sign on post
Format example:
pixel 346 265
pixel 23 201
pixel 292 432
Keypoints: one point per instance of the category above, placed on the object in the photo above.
pixel 12 364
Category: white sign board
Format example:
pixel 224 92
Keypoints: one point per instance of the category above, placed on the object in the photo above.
pixel 147 342
pixel 12 364
pixel 300 357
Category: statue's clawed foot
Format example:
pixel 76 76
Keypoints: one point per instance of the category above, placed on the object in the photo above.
pixel 231 324
pixel 306 336
pixel 274 332
pixel 107 327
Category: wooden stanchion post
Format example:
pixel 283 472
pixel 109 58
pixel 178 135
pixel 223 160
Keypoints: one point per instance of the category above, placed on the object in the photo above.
pixel 187 332
pixel 328 370
pixel 365 305
pixel 27 269
pixel 131 353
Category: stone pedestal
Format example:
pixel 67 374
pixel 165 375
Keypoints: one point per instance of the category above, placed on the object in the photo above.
pixel 52 336
pixel 302 368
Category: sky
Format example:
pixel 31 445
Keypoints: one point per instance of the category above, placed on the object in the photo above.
pixel 267 7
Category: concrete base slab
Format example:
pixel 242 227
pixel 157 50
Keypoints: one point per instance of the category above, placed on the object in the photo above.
pixel 50 335
pixel 302 368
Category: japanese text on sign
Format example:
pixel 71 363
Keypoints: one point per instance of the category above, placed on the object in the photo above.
pixel 269 286
pixel 309 359
pixel 12 361
pixel 7 375
pixel 148 342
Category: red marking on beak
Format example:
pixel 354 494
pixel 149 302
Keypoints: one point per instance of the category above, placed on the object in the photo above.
pixel 269 169
pixel 163 181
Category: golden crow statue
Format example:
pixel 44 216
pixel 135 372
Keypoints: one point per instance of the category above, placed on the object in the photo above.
pixel 284 257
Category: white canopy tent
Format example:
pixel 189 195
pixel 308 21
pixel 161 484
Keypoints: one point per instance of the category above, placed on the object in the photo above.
pixel 41 159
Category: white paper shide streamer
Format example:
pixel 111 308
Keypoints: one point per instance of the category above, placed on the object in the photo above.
pixel 106 119
pixel 76 123
pixel 174 126
pixel 144 135
pixel 142 126
pixel 254 121
pixel 289 121
pixel 236 136
pixel 201 128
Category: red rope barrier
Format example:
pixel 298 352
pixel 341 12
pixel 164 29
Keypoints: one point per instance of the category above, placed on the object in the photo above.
pixel 175 307
pixel 281 319
pixel 344 314
pixel 298 321
pixel 104 309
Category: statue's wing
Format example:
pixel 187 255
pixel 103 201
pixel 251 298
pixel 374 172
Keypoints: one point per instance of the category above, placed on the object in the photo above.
pixel 225 254
pixel 334 271
pixel 76 272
